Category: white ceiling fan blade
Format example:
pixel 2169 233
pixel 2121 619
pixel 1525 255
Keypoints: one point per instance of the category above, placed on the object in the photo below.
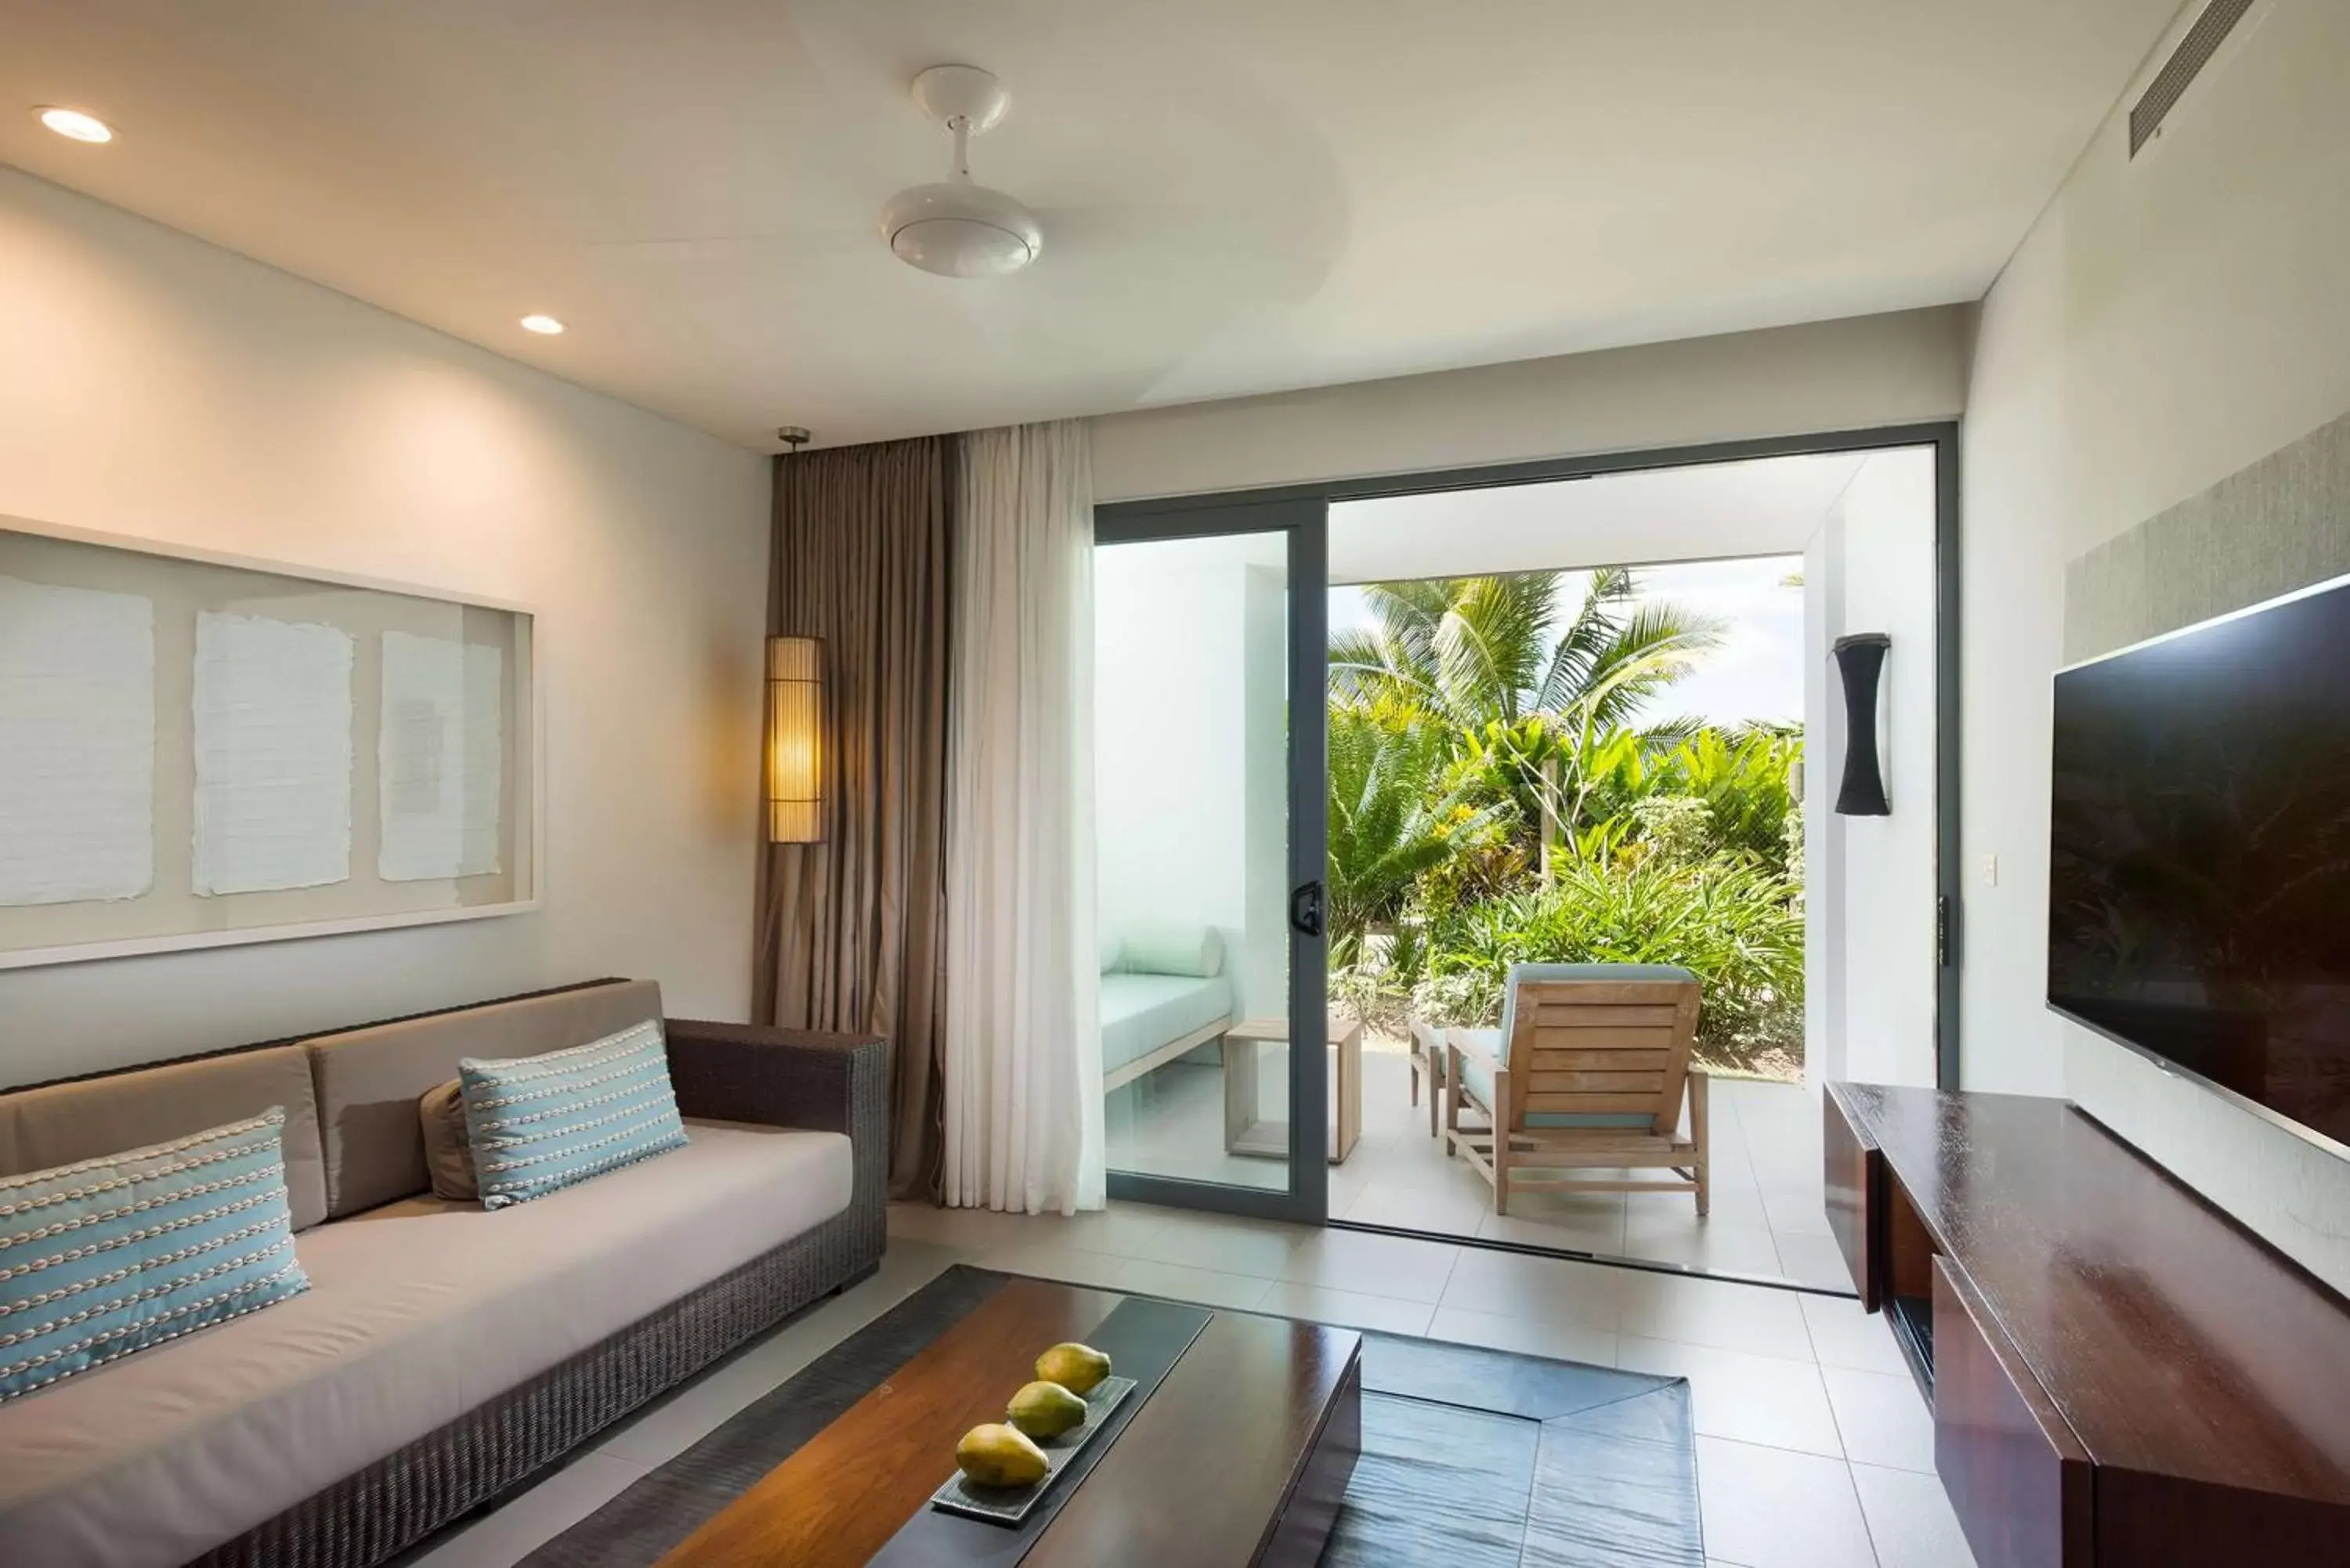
pixel 727 250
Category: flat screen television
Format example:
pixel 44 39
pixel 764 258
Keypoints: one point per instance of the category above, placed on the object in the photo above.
pixel 2198 898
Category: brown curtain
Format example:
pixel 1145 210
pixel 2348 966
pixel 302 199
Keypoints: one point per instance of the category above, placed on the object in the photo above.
pixel 853 929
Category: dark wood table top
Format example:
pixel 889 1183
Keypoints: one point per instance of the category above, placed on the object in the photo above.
pixel 1198 1474
pixel 2171 1340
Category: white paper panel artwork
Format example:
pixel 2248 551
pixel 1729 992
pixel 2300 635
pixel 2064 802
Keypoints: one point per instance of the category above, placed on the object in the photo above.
pixel 273 754
pixel 77 744
pixel 441 758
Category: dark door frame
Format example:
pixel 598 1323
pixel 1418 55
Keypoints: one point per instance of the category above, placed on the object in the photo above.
pixel 1305 521
pixel 1183 515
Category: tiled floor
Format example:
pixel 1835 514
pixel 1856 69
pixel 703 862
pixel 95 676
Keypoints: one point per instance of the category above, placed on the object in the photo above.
pixel 1813 1447
pixel 1766 1220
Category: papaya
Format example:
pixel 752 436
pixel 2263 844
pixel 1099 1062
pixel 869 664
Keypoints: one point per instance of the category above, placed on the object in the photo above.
pixel 1076 1368
pixel 1046 1410
pixel 997 1455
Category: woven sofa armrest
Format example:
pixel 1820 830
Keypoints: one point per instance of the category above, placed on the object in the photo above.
pixel 780 1077
pixel 794 1079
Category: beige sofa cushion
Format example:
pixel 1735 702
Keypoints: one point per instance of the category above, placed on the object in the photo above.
pixel 66 1123
pixel 416 1313
pixel 370 1079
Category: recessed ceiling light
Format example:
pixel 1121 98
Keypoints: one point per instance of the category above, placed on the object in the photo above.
pixel 74 123
pixel 545 326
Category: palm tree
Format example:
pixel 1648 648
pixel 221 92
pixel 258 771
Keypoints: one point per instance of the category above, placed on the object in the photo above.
pixel 1478 657
pixel 1393 816
pixel 1479 651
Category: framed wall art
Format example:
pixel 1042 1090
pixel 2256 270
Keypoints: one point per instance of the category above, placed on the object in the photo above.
pixel 197 750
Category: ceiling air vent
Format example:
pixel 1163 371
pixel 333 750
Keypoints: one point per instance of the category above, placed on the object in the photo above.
pixel 2195 51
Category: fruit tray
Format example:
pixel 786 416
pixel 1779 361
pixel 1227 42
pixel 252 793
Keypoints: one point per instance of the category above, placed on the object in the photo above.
pixel 1011 1504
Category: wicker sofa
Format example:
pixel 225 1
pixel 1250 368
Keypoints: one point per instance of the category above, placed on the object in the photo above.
pixel 443 1353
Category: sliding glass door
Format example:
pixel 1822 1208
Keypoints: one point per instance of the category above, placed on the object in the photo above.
pixel 1209 804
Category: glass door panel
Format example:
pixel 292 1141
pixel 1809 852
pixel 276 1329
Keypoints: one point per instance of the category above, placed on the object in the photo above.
pixel 1202 910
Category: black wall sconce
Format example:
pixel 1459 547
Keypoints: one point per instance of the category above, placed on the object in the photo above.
pixel 1860 661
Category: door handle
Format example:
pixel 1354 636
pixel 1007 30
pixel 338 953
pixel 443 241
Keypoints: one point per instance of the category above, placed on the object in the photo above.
pixel 1305 909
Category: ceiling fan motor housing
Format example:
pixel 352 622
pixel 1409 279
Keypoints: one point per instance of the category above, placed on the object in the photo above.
pixel 958 228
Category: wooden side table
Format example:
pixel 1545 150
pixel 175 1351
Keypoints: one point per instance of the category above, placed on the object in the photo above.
pixel 1245 1133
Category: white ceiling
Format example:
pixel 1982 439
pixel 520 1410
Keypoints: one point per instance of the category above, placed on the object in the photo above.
pixel 1239 195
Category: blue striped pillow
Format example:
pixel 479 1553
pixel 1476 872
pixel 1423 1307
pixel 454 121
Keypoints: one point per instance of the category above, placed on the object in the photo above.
pixel 536 1124
pixel 113 1255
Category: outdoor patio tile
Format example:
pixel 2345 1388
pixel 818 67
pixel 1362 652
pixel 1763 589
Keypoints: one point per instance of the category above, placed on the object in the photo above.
pixel 1449 1210
pixel 1882 1418
pixel 1546 1288
pixel 1374 1265
pixel 1347 1309
pixel 1734 1201
pixel 1795 1208
pixel 1707 1244
pixel 1910 1519
pixel 1811 1260
pixel 1524 1336
pixel 1752 1398
pixel 1601 1240
pixel 1775 1508
pixel 1844 1336
pixel 1756 1319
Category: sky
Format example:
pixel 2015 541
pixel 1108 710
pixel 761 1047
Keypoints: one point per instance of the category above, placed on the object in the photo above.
pixel 1756 673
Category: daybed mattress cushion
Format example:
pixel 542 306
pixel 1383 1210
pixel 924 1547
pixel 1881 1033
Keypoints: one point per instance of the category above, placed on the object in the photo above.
pixel 416 1312
pixel 1140 1013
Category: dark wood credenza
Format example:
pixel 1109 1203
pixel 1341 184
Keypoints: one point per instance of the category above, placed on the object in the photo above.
pixel 2120 1375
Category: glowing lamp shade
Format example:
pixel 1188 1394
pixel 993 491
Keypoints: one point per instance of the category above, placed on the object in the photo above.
pixel 794 740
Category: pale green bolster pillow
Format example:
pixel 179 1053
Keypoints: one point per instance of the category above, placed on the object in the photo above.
pixel 1194 951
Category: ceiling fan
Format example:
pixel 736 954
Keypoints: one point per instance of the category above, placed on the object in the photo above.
pixel 958 227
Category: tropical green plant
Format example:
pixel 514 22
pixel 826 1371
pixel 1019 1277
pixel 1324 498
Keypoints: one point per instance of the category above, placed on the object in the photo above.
pixel 1728 920
pixel 1474 651
pixel 1394 816
pixel 1498 796
pixel 1746 781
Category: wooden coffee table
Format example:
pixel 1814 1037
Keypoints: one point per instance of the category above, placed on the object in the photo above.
pixel 1238 1454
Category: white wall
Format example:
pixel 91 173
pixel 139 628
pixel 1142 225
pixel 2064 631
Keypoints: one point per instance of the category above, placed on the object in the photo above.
pixel 1906 368
pixel 2167 322
pixel 154 386
pixel 1869 958
pixel 1190 753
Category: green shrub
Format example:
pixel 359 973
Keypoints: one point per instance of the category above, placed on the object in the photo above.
pixel 1731 922
pixel 1395 816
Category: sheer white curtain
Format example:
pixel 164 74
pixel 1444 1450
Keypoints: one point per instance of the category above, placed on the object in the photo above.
pixel 1022 1069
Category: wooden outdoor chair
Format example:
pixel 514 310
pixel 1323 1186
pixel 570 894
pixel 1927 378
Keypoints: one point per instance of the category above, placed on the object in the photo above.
pixel 1427 1061
pixel 1587 1072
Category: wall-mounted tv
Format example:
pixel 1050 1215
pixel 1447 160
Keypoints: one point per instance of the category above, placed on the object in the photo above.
pixel 2198 900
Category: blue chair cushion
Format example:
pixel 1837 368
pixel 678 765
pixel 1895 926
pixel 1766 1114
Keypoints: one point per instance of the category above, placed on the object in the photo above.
pixel 1521 972
pixel 539 1124
pixel 109 1256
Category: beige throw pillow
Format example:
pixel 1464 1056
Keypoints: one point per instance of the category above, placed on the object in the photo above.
pixel 448 1153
